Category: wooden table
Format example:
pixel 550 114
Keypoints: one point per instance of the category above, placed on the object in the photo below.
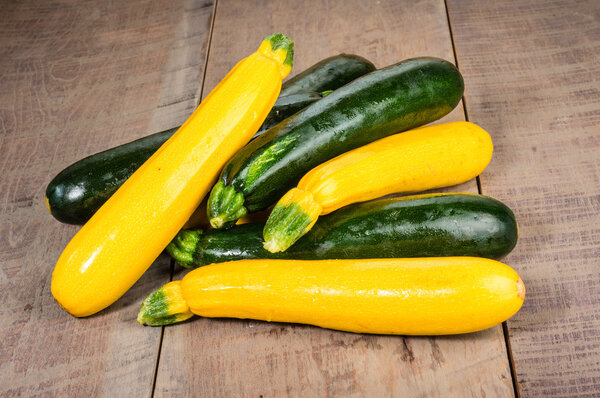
pixel 79 77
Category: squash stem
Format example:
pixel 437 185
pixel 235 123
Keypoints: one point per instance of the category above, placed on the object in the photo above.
pixel 225 206
pixel 165 306
pixel 184 246
pixel 293 216
pixel 279 48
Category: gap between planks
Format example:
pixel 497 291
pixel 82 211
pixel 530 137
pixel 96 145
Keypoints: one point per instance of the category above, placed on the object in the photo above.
pixel 199 99
pixel 509 354
pixel 160 340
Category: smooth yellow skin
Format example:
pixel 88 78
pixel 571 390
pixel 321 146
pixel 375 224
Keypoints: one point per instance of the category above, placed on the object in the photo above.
pixel 198 219
pixel 417 296
pixel 417 160
pixel 116 246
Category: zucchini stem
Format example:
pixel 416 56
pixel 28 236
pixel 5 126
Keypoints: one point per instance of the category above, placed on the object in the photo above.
pixel 183 247
pixel 225 206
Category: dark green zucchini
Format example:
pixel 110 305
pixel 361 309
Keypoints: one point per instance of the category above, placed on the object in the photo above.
pixel 433 225
pixel 394 99
pixel 328 74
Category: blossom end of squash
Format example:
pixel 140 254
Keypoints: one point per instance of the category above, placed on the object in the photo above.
pixel 292 217
pixel 164 306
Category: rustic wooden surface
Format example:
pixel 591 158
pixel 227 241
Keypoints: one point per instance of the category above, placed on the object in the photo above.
pixel 79 77
pixel 532 71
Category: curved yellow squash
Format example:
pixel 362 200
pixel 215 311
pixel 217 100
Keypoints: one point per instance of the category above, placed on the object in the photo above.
pixel 417 296
pixel 114 248
pixel 417 160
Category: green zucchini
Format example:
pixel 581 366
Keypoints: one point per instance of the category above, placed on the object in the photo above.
pixel 328 74
pixel 432 225
pixel 384 102
pixel 78 191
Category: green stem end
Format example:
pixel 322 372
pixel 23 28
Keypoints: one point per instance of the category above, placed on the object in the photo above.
pixel 225 206
pixel 183 248
pixel 280 41
pixel 293 216
pixel 165 306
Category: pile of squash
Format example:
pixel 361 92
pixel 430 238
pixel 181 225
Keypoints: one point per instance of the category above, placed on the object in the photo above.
pixel 269 191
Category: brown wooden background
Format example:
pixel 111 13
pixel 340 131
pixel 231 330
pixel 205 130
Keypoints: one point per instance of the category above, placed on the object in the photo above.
pixel 77 77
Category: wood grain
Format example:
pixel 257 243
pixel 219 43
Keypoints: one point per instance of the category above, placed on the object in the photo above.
pixel 76 78
pixel 208 357
pixel 532 72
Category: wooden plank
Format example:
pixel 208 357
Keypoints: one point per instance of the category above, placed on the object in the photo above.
pixel 533 80
pixel 76 78
pixel 223 357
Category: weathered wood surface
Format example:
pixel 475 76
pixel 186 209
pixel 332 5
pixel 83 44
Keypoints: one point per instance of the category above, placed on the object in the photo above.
pixel 79 77
pixel 76 78
pixel 532 71
pixel 207 357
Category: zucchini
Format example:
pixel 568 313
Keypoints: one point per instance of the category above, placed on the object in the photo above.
pixel 414 296
pixel 144 215
pixel 418 160
pixel 77 192
pixel 431 225
pixel 381 103
pixel 328 74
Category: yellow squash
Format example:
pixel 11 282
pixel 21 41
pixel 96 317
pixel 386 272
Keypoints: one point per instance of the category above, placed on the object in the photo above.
pixel 418 296
pixel 417 160
pixel 116 246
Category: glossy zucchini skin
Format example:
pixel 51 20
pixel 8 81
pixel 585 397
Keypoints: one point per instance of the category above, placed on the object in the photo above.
pixel 328 74
pixel 78 191
pixel 432 225
pixel 384 102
